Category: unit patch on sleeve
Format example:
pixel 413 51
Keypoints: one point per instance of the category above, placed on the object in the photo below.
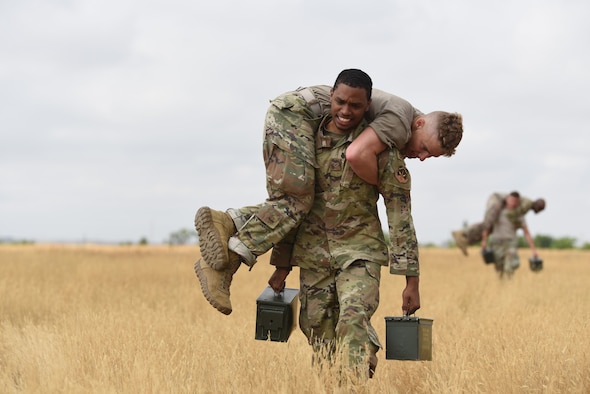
pixel 402 175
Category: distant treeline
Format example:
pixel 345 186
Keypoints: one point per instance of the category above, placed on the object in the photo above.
pixel 542 241
pixel 549 242
pixel 186 236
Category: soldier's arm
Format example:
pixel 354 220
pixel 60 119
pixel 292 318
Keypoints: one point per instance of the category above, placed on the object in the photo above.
pixel 390 117
pixel 390 126
pixel 277 279
pixel 394 186
pixel 529 239
pixel 362 155
pixel 386 130
pixel 411 295
pixel 281 258
pixel 524 206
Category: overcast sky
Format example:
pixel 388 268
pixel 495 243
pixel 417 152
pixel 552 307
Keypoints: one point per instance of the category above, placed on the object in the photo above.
pixel 119 119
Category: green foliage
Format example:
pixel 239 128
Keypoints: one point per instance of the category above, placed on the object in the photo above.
pixel 543 241
pixel 548 242
pixel 428 245
pixel 17 242
pixel 563 243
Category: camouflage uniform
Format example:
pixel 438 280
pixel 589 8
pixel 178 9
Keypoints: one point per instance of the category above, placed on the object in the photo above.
pixel 504 242
pixel 289 157
pixel 494 206
pixel 290 163
pixel 340 248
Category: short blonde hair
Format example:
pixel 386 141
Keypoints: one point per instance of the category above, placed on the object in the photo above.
pixel 450 131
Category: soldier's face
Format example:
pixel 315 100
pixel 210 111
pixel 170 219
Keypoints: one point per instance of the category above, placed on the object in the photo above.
pixel 512 202
pixel 349 106
pixel 423 144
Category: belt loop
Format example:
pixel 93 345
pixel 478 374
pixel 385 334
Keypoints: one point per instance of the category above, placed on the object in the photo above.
pixel 314 103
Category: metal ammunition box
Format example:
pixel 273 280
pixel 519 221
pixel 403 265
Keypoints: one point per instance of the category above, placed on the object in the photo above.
pixel 275 314
pixel 408 338
pixel 536 263
pixel 488 256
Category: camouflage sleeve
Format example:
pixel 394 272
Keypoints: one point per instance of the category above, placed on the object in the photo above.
pixel 525 205
pixel 394 186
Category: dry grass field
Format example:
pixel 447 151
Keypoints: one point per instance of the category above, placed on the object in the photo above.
pixel 97 319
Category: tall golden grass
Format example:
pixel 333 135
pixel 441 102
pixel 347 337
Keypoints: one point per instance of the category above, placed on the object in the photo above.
pixel 98 319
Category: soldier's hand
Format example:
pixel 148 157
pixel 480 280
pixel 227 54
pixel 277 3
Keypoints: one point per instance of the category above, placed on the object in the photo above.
pixel 411 295
pixel 277 279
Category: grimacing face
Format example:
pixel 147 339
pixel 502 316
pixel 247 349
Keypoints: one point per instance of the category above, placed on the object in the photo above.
pixel 348 107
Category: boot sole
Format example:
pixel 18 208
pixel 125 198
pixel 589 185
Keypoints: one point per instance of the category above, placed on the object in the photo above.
pixel 205 289
pixel 212 246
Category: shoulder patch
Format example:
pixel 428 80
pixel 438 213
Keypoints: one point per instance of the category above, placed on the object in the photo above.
pixel 402 175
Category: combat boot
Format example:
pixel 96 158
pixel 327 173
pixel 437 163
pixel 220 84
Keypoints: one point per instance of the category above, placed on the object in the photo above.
pixel 214 228
pixel 460 240
pixel 215 284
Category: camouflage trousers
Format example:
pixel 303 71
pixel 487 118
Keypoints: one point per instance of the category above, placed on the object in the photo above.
pixel 493 208
pixel 289 157
pixel 505 255
pixel 336 310
pixel 474 233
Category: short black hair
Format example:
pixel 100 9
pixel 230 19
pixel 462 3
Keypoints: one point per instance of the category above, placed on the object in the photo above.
pixel 355 78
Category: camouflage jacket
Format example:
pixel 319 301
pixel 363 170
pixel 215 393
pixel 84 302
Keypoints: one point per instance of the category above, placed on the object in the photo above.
pixel 343 225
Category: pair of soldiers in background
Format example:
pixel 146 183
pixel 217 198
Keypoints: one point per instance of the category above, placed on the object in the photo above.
pixel 504 216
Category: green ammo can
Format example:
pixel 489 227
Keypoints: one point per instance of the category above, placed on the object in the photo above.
pixel 488 256
pixel 536 263
pixel 408 338
pixel 275 314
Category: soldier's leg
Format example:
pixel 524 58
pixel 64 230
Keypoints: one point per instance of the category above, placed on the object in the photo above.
pixel 500 256
pixel 473 233
pixel 215 284
pixel 357 287
pixel 460 238
pixel 289 156
pixel 319 311
pixel 374 347
pixel 240 216
pixel 468 236
pixel 512 259
pixel 215 228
